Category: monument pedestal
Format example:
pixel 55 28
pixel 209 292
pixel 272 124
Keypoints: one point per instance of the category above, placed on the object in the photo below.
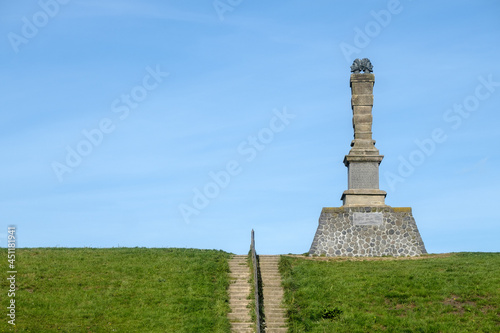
pixel 362 181
pixel 365 225
pixel 367 232
pixel 363 197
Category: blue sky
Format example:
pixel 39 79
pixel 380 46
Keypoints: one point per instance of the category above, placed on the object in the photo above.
pixel 116 115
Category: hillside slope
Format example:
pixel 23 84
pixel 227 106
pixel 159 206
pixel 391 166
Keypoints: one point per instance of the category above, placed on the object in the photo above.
pixel 436 293
pixel 118 290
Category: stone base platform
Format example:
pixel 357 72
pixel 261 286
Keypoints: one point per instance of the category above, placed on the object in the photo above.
pixel 367 232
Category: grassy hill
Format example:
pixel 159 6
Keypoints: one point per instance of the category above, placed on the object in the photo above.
pixel 185 290
pixel 118 290
pixel 437 293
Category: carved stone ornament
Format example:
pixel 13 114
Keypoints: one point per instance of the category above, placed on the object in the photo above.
pixel 361 65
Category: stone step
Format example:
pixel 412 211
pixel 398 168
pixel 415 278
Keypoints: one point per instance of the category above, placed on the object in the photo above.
pixel 276 330
pixel 240 286
pixel 240 309
pixel 239 302
pixel 275 311
pixel 241 297
pixel 275 325
pixel 244 330
pixel 275 320
pixel 241 325
pixel 240 276
pixel 276 302
pixel 239 292
pixel 236 276
pixel 273 303
pixel 238 316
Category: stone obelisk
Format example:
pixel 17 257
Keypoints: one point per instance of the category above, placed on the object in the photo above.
pixel 365 225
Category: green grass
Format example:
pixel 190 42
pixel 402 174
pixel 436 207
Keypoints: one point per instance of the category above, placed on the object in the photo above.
pixel 455 293
pixel 118 290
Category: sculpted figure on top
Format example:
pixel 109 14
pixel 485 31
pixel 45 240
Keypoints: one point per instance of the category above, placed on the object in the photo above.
pixel 361 65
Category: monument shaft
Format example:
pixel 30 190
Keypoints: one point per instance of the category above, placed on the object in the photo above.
pixel 361 104
pixel 363 159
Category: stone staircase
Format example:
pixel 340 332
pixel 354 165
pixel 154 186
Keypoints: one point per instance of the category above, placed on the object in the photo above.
pixel 275 316
pixel 239 291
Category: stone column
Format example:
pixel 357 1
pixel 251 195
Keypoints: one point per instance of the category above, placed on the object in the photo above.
pixel 363 160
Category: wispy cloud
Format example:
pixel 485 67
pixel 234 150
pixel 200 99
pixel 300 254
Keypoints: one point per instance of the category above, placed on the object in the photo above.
pixel 478 166
pixel 143 10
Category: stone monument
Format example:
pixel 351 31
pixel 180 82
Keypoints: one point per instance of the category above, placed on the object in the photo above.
pixel 365 225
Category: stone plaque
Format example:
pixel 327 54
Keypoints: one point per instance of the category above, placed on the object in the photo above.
pixel 367 218
pixel 363 175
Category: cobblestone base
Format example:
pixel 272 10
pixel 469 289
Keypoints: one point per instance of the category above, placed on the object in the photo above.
pixel 337 235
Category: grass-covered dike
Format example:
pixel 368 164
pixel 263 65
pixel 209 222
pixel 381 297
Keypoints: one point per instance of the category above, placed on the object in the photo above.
pixel 436 293
pixel 185 290
pixel 118 290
